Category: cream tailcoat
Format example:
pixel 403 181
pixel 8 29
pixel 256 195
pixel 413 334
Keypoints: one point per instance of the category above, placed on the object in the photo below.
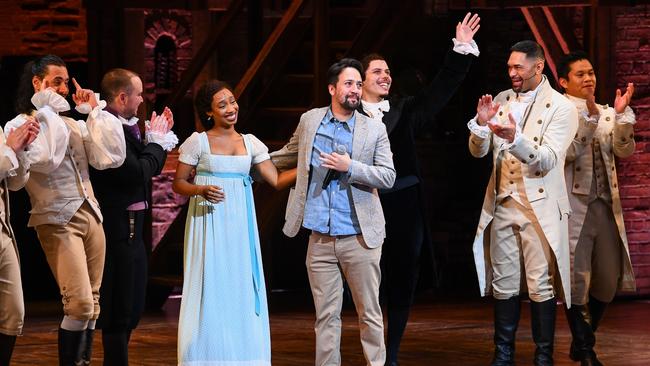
pixel 547 133
pixel 615 139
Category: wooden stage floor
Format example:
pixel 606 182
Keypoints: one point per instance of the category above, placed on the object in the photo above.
pixel 443 332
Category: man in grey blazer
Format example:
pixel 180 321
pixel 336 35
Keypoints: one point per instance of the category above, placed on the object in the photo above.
pixel 342 158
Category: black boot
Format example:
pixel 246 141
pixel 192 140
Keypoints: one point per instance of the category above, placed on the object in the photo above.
pixel 116 348
pixel 71 347
pixel 506 320
pixel 596 310
pixel 542 316
pixel 582 344
pixel 397 319
pixel 7 343
pixel 87 354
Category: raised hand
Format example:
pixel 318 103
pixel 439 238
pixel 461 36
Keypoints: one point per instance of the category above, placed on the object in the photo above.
pixel 622 101
pixel 507 131
pixel 466 30
pixel 485 109
pixel 24 135
pixel 82 95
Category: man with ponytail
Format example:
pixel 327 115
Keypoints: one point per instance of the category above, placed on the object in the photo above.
pixel 65 213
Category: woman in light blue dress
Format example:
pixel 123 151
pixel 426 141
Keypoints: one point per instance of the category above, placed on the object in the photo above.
pixel 224 318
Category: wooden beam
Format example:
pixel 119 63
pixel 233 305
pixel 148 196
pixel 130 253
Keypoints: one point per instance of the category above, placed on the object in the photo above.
pixel 544 36
pixel 203 55
pixel 321 51
pixel 510 4
pixel 250 74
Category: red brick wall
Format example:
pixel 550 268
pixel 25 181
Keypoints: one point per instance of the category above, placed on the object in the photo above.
pixel 35 27
pixel 633 65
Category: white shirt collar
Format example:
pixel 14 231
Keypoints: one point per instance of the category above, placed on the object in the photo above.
pixel 376 110
pixel 130 122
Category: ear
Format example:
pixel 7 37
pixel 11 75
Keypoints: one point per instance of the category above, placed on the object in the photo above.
pixel 332 89
pixel 563 82
pixel 539 67
pixel 36 83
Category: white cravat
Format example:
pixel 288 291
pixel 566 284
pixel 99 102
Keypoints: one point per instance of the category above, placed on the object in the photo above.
pixel 128 122
pixel 376 110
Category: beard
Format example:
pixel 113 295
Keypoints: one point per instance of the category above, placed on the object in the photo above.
pixel 351 105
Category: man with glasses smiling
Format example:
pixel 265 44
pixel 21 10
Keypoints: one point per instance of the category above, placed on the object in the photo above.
pixel 522 240
pixel 342 157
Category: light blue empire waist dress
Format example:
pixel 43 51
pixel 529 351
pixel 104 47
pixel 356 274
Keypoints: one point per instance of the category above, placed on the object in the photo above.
pixel 224 318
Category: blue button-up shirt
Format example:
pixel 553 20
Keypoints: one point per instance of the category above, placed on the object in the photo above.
pixel 330 211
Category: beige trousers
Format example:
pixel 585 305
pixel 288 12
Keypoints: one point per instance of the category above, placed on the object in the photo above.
pixel 328 258
pixel 75 253
pixel 597 263
pixel 12 309
pixel 520 255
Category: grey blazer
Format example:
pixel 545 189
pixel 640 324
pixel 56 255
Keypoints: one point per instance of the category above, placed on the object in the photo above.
pixel 371 169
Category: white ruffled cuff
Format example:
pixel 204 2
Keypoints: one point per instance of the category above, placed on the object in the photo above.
pixel 85 108
pixel 49 97
pixel 11 154
pixel 168 141
pixel 626 117
pixel 478 130
pixel 466 48
pixel 23 161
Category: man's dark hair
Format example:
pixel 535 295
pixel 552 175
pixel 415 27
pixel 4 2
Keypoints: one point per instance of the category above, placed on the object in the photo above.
pixel 116 81
pixel 532 49
pixel 203 100
pixel 564 65
pixel 367 59
pixel 37 67
pixel 336 68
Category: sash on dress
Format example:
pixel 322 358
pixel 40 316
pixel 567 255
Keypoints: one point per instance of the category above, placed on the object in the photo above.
pixel 247 181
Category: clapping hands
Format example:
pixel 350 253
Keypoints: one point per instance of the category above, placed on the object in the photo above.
pixel 623 100
pixel 19 138
pixel 161 124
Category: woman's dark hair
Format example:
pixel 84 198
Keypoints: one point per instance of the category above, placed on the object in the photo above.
pixel 33 68
pixel 203 100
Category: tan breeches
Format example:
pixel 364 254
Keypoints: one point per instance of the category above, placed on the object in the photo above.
pixel 520 255
pixel 12 309
pixel 75 253
pixel 598 254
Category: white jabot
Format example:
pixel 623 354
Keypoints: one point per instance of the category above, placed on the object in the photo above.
pixel 128 122
pixel 376 110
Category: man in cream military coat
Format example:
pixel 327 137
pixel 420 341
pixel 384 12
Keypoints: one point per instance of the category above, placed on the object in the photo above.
pixel 343 213
pixel 600 256
pixel 523 232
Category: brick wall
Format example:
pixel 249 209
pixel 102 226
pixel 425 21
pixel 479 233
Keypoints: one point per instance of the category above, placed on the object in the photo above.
pixel 633 65
pixel 35 27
